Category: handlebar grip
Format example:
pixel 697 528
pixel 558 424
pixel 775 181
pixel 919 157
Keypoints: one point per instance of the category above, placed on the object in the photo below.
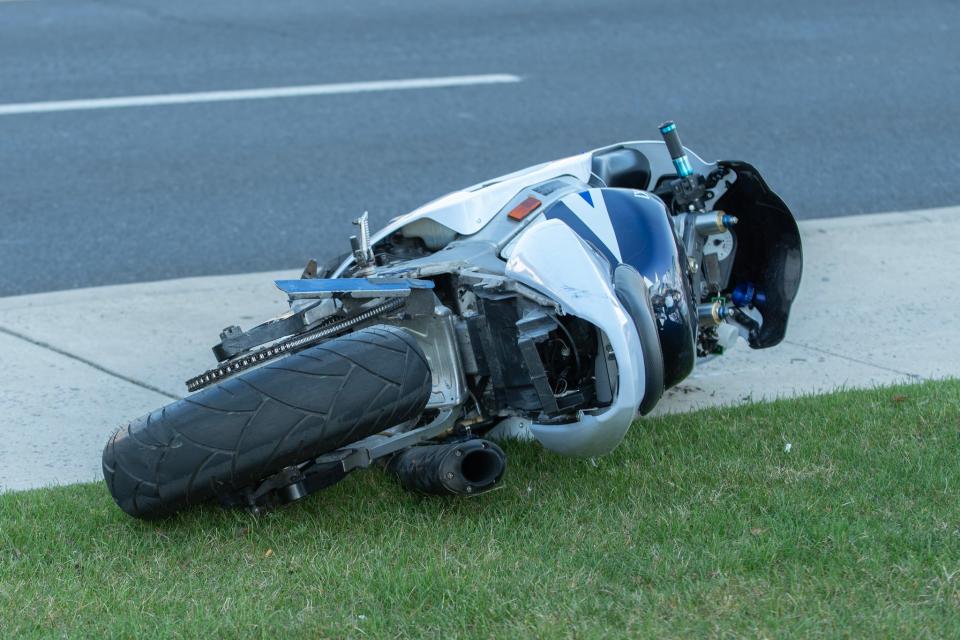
pixel 670 136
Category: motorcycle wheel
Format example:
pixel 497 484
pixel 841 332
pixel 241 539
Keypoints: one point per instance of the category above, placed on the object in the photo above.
pixel 231 435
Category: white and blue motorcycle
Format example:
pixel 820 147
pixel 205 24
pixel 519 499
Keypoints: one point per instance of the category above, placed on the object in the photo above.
pixel 556 303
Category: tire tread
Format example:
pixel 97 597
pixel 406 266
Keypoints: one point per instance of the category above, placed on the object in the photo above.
pixel 231 435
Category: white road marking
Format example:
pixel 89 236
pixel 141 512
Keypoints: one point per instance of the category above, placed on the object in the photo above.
pixel 254 94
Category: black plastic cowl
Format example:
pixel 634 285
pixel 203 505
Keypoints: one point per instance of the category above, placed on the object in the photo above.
pixel 769 252
pixel 461 468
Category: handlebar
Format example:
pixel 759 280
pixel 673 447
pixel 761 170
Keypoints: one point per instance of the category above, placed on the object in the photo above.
pixel 670 136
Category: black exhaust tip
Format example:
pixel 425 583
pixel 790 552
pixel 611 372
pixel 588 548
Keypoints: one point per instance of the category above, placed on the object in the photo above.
pixel 459 468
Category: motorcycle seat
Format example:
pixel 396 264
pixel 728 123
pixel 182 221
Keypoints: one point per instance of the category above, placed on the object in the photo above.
pixel 620 168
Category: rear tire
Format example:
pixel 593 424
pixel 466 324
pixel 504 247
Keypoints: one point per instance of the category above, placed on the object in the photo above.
pixel 229 436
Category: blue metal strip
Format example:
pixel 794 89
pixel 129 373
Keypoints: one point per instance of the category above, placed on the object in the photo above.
pixel 349 285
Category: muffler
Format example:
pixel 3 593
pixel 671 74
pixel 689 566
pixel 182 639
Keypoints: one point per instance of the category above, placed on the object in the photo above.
pixel 461 468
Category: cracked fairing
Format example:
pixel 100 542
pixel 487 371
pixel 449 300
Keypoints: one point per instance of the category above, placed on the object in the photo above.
pixel 553 259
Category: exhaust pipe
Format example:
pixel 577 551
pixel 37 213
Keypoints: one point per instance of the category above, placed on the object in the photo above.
pixel 459 468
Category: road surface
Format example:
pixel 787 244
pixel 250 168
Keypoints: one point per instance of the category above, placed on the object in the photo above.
pixel 847 107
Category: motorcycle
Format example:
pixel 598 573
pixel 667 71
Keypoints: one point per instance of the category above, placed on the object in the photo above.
pixel 554 304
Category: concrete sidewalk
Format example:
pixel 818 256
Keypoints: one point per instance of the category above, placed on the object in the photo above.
pixel 873 309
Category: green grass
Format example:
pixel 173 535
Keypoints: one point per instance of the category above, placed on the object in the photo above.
pixel 698 524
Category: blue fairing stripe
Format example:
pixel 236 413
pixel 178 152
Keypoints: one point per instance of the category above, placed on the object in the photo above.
pixel 637 221
pixel 561 212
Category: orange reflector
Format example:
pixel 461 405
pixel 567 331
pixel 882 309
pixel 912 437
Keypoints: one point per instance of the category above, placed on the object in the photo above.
pixel 524 209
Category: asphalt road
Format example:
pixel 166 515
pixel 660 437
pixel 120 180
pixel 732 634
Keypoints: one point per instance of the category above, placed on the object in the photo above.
pixel 846 107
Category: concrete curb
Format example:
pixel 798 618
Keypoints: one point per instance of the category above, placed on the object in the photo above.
pixel 79 363
pixel 868 314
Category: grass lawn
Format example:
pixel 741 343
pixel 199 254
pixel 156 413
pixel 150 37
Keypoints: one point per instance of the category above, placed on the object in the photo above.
pixel 701 524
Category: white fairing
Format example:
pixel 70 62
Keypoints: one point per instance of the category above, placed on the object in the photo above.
pixel 552 259
pixel 469 210
pixel 473 234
